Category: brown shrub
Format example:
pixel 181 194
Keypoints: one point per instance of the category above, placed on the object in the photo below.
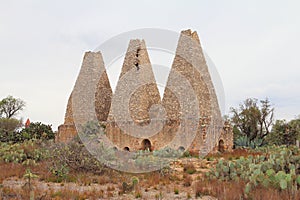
pixel 189 168
pixel 154 179
pixel 220 189
pixel 187 181
pixel 103 180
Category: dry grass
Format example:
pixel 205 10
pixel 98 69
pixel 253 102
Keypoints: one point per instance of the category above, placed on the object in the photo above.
pixel 219 189
pixel 103 180
pixel 110 188
pixel 10 170
pixel 189 168
pixel 236 153
pixel 235 191
pixel 270 193
pixel 154 179
pixel 63 193
pixel 187 180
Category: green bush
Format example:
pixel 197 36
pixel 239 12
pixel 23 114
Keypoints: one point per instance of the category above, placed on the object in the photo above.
pixel 277 167
pixel 176 191
pixel 27 153
pixel 60 171
pixel 76 157
pixel 8 129
pixel 37 130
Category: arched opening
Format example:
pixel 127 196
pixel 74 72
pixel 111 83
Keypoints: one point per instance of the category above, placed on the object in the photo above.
pixel 146 145
pixel 221 147
pixel 126 149
pixel 181 149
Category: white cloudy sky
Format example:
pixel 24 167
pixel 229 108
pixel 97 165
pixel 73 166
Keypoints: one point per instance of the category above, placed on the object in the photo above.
pixel 254 45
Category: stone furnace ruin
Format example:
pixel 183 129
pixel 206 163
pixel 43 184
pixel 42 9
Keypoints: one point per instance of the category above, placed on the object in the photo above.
pixel 189 69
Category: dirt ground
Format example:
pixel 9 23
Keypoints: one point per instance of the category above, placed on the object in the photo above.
pixel 175 186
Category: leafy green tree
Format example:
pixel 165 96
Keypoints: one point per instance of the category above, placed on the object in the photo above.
pixel 8 129
pixel 252 122
pixel 9 125
pixel 10 106
pixel 284 133
pixel 295 127
pixel 278 132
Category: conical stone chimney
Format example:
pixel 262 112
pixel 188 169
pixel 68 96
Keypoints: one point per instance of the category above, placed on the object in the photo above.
pixel 103 95
pixel 136 93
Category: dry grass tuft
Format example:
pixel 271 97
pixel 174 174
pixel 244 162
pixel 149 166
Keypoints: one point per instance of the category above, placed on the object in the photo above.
pixel 189 168
pixel 187 180
pixel 236 153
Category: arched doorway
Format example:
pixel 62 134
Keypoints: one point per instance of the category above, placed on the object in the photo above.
pixel 126 149
pixel 221 147
pixel 146 145
pixel 181 149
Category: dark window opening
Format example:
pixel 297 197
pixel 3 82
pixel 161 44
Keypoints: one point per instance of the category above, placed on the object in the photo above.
pixel 221 146
pixel 137 65
pixel 137 52
pixel 146 145
pixel 126 149
pixel 181 149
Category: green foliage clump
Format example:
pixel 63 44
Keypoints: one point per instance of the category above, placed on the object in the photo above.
pixel 284 133
pixel 9 129
pixel 9 125
pixel 91 129
pixel 38 131
pixel 35 131
pixel 167 153
pixel 27 153
pixel 60 171
pixel 29 176
pixel 75 156
pixel 252 122
pixel 244 141
pixel 277 167
pixel 135 180
pixel 10 106
pixel 176 191
pixel 129 187
pixel 156 159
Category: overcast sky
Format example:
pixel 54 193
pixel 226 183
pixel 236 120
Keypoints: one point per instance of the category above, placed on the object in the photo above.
pixel 253 43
